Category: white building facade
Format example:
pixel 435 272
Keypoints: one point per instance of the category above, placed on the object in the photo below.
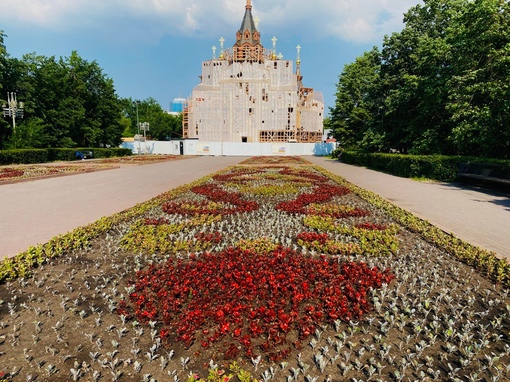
pixel 249 94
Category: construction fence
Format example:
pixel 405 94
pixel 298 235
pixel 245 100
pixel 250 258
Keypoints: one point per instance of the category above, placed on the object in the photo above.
pixel 196 147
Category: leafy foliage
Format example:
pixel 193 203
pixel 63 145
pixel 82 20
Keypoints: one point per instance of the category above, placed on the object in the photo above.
pixel 437 167
pixel 71 99
pixel 356 109
pixel 29 156
pixel 29 135
pixel 440 86
pixel 70 102
pixel 162 126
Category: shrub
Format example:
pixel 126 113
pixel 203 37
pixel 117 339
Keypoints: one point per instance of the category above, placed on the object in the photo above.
pixel 29 156
pixel 437 167
pixel 23 156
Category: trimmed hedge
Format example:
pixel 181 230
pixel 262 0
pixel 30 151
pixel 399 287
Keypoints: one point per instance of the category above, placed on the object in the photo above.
pixel 24 156
pixel 70 154
pixel 438 167
pixel 29 156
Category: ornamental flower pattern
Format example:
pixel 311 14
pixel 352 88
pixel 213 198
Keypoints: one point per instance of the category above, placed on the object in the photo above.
pixel 249 302
pixel 253 296
pixel 437 319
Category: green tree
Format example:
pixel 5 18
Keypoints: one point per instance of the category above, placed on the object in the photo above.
pixel 40 79
pixel 95 109
pixel 3 57
pixel 416 68
pixel 30 134
pixel 76 101
pixel 166 127
pixel 357 102
pixel 163 126
pixel 480 87
pixel 11 78
pixel 3 54
pixel 442 86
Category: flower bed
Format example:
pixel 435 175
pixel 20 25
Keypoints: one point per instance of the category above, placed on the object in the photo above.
pixel 277 160
pixel 21 172
pixel 39 171
pixel 251 302
pixel 313 284
pixel 9 173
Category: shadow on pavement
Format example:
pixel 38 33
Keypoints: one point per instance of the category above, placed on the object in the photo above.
pixel 497 197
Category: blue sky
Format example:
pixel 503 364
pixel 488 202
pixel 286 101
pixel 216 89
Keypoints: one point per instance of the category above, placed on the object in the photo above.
pixel 154 48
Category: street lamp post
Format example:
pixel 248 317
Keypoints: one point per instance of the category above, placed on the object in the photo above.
pixel 138 125
pixel 137 120
pixel 13 109
pixel 145 127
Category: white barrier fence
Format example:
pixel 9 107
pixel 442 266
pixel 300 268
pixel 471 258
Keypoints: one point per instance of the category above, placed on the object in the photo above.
pixel 195 147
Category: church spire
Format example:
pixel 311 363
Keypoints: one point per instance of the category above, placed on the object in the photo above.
pixel 247 46
pixel 248 31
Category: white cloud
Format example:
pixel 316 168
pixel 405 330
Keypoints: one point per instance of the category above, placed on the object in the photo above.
pixel 350 20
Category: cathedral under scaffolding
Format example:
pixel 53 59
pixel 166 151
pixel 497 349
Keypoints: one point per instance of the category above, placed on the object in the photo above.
pixel 249 94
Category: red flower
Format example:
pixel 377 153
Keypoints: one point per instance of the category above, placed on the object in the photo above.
pixel 292 292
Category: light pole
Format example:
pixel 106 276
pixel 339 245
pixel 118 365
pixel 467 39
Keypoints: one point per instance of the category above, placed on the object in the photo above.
pixel 137 120
pixel 145 127
pixel 13 109
pixel 137 125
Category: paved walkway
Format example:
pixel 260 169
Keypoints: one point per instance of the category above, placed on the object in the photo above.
pixel 481 218
pixel 33 212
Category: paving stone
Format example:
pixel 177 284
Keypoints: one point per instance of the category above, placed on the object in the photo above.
pixel 35 211
pixel 479 217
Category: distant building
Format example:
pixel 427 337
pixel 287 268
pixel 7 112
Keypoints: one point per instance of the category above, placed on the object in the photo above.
pixel 177 106
pixel 249 94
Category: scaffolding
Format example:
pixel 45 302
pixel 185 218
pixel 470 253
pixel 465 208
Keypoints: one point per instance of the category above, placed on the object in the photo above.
pixel 252 101
pixel 249 94
pixel 185 119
